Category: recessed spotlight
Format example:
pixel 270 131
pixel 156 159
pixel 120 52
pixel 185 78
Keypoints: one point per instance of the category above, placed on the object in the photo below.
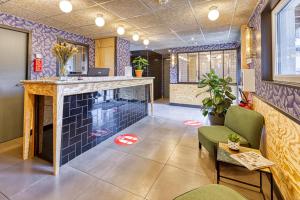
pixel 213 13
pixel 100 21
pixel 135 36
pixel 65 6
pixel 146 42
pixel 120 30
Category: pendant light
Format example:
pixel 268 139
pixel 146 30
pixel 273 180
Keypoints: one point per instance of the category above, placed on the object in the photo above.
pixel 100 21
pixel 146 42
pixel 120 30
pixel 213 13
pixel 65 6
pixel 135 36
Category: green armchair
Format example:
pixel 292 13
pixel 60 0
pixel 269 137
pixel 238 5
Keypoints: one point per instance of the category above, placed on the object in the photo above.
pixel 246 123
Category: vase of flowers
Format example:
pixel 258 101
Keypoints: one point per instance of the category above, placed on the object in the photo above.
pixel 63 52
pixel 234 141
pixel 139 64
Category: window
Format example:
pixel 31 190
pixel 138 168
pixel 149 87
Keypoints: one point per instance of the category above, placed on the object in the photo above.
pixel 192 66
pixel 286 41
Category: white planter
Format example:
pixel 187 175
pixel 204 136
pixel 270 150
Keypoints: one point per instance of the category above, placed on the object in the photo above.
pixel 233 145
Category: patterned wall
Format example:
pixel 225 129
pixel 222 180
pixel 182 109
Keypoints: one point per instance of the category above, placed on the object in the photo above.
pixel 175 51
pixel 43 38
pixel 285 97
pixel 123 55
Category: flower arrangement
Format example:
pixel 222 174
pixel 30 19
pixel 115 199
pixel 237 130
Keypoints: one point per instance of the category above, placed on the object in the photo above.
pixel 63 52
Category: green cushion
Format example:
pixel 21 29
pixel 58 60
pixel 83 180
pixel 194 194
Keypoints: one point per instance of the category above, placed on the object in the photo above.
pixel 210 136
pixel 211 192
pixel 246 123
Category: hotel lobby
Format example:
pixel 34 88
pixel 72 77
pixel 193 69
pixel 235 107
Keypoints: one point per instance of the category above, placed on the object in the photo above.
pixel 149 99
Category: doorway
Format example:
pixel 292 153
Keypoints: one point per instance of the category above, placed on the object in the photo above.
pixel 166 82
pixel 13 68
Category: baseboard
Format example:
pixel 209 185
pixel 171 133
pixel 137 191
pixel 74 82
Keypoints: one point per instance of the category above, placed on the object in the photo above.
pixel 185 105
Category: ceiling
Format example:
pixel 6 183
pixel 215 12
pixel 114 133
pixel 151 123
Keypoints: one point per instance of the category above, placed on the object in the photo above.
pixel 179 23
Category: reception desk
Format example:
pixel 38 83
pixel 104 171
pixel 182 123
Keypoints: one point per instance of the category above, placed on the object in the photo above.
pixel 84 112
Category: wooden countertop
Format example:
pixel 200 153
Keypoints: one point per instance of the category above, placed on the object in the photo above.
pixel 83 80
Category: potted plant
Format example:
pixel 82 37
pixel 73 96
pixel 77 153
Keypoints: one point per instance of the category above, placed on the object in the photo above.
pixel 63 52
pixel 139 64
pixel 220 97
pixel 234 141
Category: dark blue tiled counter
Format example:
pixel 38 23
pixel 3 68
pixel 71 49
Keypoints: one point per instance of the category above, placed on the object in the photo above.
pixel 90 118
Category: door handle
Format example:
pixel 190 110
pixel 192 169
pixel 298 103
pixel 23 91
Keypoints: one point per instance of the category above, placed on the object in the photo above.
pixel 19 85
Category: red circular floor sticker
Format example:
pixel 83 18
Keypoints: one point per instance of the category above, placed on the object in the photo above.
pixel 126 139
pixel 192 123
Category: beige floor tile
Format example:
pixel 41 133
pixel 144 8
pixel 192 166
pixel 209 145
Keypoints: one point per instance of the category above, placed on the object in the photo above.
pixel 188 159
pixel 134 174
pixel 190 140
pixel 153 150
pixel 99 160
pixel 173 182
pixel 10 157
pixel 106 163
pixel 166 136
pixel 68 185
pixel 20 176
pixel 105 191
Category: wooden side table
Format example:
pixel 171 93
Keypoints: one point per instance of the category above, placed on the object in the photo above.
pixel 223 156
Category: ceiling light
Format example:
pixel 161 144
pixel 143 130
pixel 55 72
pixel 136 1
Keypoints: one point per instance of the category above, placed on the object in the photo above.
pixel 135 36
pixel 163 2
pixel 65 6
pixel 146 42
pixel 120 30
pixel 213 13
pixel 99 20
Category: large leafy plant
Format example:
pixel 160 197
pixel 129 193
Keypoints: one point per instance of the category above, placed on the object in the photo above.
pixel 140 63
pixel 220 94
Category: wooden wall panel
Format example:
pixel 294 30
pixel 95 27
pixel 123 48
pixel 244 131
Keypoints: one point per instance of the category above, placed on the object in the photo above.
pixel 186 94
pixel 282 145
pixel 105 54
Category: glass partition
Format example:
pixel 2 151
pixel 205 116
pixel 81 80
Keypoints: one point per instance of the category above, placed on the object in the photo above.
pixel 192 66
pixel 216 60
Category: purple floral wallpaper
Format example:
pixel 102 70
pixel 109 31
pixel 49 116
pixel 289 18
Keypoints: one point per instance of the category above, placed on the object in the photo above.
pixel 43 38
pixel 286 98
pixel 175 51
pixel 123 55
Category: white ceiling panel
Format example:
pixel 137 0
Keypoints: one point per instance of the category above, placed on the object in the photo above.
pixel 178 23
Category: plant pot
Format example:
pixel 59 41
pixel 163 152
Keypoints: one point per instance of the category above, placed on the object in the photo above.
pixel 138 73
pixel 233 145
pixel 216 119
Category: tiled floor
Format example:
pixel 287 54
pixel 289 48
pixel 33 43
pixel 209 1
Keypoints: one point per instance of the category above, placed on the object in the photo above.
pixel 165 163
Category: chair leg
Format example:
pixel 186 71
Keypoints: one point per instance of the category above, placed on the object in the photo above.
pixel 200 145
